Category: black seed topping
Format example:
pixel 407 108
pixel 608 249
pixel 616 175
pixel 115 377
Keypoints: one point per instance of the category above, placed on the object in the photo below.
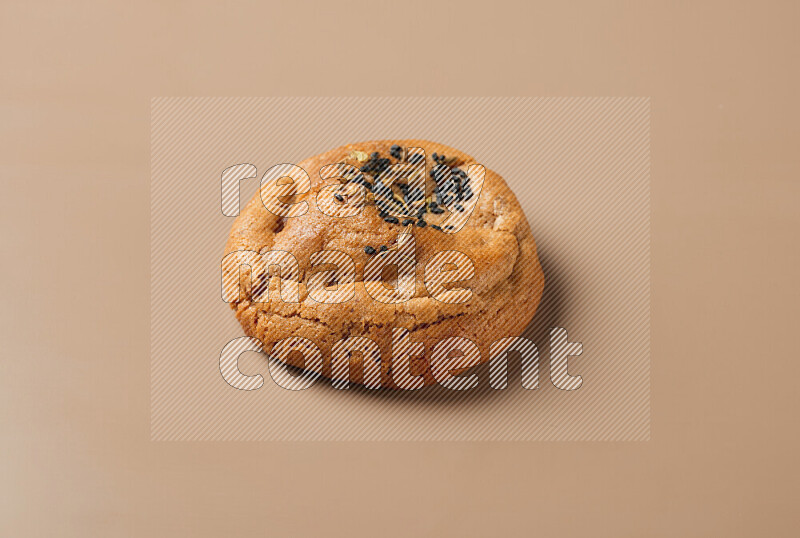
pixel 380 188
pixel 392 220
pixel 369 250
pixel 376 165
pixel 421 223
pixel 384 248
pixel 396 152
pixel 437 210
pixel 360 180
pixel 459 208
pixel 387 202
pixel 436 227
pixel 440 172
pixel 407 222
pixel 339 197
pixel 449 227
pixel 416 158
pixel 415 195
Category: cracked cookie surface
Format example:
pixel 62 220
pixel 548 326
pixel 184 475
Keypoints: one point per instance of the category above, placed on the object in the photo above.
pixel 506 287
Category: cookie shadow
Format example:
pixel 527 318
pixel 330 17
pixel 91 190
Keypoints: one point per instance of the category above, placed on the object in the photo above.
pixel 549 314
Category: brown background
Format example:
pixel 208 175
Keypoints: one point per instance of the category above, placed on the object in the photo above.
pixel 77 79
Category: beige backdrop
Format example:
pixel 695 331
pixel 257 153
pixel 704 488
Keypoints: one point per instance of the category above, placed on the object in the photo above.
pixel 77 460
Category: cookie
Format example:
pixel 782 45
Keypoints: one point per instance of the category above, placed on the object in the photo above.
pixel 370 201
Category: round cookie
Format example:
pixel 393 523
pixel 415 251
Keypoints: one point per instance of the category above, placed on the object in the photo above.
pixel 506 286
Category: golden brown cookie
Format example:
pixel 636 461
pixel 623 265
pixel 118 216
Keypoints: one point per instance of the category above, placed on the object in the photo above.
pixel 368 202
